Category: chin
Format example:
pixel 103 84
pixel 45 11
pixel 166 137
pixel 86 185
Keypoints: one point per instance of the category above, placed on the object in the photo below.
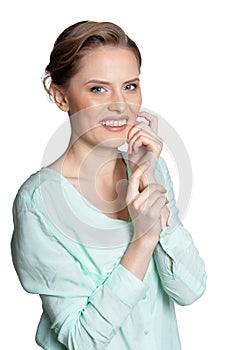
pixel 114 142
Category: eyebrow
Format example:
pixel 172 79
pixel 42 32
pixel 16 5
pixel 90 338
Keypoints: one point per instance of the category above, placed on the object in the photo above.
pixel 96 81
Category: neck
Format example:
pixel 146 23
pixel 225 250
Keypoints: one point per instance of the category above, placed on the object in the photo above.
pixel 99 174
pixel 83 161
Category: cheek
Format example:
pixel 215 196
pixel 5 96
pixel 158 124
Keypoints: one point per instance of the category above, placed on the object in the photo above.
pixel 85 121
pixel 139 97
pixel 135 108
pixel 79 102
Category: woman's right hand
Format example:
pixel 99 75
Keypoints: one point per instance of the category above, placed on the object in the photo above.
pixel 145 207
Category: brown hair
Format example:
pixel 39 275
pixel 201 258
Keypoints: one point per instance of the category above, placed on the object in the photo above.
pixel 74 42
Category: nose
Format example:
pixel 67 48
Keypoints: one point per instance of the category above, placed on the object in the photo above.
pixel 117 103
pixel 119 107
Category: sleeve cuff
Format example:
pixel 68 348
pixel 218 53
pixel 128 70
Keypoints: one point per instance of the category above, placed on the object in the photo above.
pixel 128 288
pixel 116 297
pixel 174 242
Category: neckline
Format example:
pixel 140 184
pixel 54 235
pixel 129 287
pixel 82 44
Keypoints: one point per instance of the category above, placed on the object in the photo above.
pixel 89 203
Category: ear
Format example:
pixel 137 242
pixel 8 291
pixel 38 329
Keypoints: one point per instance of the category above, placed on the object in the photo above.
pixel 59 97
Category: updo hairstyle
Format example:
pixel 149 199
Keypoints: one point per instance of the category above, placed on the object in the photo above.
pixel 74 42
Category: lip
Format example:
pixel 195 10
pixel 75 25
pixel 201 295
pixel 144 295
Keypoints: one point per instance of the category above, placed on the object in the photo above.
pixel 115 128
pixel 115 118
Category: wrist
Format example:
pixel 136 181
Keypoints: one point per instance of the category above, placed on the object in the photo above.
pixel 149 178
pixel 148 238
pixel 145 243
pixel 137 257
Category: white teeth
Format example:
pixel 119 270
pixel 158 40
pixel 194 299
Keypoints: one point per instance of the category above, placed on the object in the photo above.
pixel 114 122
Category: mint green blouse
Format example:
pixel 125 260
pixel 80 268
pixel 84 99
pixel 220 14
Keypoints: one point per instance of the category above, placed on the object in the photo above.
pixel 69 252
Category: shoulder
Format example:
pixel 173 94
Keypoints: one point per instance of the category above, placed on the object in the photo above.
pixel 31 188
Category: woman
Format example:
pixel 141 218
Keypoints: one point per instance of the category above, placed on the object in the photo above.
pixel 96 233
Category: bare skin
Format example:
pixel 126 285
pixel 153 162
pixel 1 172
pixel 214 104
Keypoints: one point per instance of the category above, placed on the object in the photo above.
pixel 107 88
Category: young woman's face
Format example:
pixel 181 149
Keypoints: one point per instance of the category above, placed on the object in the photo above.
pixel 104 97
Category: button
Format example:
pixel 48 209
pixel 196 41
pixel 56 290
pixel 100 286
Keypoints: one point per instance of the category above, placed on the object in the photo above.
pixel 146 331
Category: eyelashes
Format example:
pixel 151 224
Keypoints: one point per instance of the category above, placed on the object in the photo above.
pixel 130 87
pixel 100 89
pixel 97 89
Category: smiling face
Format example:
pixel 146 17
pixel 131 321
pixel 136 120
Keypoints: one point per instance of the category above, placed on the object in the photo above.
pixel 104 97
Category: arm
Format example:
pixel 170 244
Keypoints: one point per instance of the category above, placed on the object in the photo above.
pixel 186 280
pixel 76 302
pixel 179 265
pixel 181 270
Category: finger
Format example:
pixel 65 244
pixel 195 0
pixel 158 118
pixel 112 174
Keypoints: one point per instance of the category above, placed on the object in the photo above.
pixel 140 127
pixel 134 181
pixel 153 204
pixel 147 198
pixel 137 129
pixel 151 118
pixel 132 136
pixel 152 191
pixel 157 206
pixel 157 187
pixel 152 144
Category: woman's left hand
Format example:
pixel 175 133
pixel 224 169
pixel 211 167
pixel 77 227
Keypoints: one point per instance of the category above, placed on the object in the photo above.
pixel 144 144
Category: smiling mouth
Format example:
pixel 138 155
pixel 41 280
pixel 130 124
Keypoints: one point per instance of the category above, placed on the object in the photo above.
pixel 113 123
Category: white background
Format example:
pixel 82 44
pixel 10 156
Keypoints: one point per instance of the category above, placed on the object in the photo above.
pixel 187 77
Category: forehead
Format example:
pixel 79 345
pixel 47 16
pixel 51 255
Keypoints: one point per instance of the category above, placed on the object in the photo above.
pixel 109 61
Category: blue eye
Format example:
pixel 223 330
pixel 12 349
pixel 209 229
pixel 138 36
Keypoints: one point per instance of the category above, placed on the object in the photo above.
pixel 130 87
pixel 97 89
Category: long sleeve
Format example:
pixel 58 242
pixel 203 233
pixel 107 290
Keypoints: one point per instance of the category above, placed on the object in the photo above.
pixel 76 301
pixel 93 324
pixel 90 301
pixel 186 280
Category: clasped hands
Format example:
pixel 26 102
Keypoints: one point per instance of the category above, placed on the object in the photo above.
pixel 146 199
